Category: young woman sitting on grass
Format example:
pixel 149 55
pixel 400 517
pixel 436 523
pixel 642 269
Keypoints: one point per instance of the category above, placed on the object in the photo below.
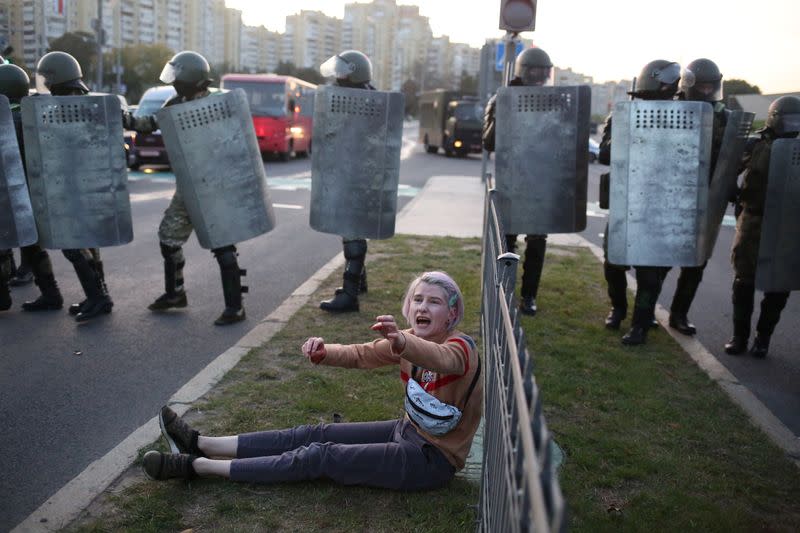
pixel 440 368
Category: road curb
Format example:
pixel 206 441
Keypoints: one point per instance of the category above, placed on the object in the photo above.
pixel 66 505
pixel 70 500
pixel 759 414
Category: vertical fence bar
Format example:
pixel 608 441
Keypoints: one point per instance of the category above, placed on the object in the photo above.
pixel 519 489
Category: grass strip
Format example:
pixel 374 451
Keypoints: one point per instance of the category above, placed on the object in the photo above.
pixel 652 444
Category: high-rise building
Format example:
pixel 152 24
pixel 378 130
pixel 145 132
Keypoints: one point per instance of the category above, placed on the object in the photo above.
pixel 33 24
pixel 372 29
pixel 205 29
pixel 261 49
pixel 233 38
pixel 311 38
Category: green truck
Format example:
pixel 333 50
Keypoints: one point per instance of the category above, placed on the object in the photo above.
pixel 451 121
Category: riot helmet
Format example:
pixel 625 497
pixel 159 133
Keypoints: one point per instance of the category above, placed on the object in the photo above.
pixel 14 82
pixel 188 72
pixel 60 71
pixel 350 68
pixel 701 81
pixel 658 80
pixel 533 67
pixel 783 116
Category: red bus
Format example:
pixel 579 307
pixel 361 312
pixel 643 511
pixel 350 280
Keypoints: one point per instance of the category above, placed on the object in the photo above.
pixel 282 109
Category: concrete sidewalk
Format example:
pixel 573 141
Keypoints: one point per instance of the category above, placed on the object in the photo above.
pixel 446 206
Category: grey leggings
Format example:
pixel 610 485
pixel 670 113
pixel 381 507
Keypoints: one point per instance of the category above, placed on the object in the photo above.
pixel 388 454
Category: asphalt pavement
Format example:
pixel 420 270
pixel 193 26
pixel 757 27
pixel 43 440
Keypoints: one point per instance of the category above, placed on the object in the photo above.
pixel 63 411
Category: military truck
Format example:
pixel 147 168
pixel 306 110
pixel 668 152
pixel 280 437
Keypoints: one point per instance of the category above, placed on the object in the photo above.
pixel 451 121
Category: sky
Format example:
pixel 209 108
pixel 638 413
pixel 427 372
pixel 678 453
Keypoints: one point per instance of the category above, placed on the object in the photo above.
pixel 758 41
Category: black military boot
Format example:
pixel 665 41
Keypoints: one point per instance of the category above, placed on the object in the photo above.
pixel 615 317
pixel 232 287
pixel 680 322
pixel 760 346
pixel 362 283
pixel 97 301
pixel 535 246
pixel 685 291
pixel 174 294
pixel 527 306
pixel 742 296
pixel 346 299
pixel 6 263
pixel 50 298
pixel 738 343
pixel 640 324
pixel 23 275
pixel 771 307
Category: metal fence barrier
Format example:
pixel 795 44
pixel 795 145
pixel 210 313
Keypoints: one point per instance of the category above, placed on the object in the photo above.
pixel 519 486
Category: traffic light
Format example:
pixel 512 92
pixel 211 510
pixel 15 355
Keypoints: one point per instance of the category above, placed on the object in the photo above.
pixel 517 15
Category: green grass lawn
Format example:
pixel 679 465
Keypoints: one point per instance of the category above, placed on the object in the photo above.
pixel 651 443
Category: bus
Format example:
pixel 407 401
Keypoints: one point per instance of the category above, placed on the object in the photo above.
pixel 282 109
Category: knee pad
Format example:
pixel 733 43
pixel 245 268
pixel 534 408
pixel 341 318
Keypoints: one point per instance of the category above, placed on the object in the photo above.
pixel 226 257
pixel 171 253
pixel 75 255
pixel 354 248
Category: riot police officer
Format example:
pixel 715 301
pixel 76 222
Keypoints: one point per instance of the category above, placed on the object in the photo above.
pixel 190 74
pixel 783 122
pixel 352 69
pixel 532 67
pixel 14 83
pixel 701 81
pixel 59 74
pixel 658 80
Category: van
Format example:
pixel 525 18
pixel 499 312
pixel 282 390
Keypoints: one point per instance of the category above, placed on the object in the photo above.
pixel 148 148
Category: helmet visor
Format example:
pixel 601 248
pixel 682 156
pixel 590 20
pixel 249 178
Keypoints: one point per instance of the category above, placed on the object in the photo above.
pixel 789 123
pixel 668 74
pixel 533 76
pixel 170 73
pixel 337 67
pixel 42 87
pixel 704 91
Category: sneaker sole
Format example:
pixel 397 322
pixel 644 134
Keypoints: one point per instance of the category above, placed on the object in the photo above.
pixel 173 447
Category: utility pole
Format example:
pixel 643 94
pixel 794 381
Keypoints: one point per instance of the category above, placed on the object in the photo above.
pixel 100 38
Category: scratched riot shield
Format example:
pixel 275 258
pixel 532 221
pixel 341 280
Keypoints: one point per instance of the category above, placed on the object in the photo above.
pixel 214 153
pixel 542 158
pixel 17 225
pixel 660 162
pixel 77 174
pixel 355 166
pixel 779 250
pixel 726 170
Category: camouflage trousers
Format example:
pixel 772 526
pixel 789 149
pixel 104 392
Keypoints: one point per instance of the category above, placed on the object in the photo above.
pixel 744 254
pixel 175 227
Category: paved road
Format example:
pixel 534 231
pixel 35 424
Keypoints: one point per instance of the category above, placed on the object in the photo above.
pixel 774 380
pixel 61 411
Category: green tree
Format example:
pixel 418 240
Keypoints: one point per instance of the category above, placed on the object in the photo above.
pixel 734 86
pixel 410 90
pixel 469 84
pixel 309 74
pixel 82 46
pixel 142 65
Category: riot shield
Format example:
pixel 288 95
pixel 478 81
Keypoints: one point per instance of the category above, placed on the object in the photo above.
pixel 355 166
pixel 76 168
pixel 17 225
pixel 726 170
pixel 214 153
pixel 779 249
pixel 542 158
pixel 660 160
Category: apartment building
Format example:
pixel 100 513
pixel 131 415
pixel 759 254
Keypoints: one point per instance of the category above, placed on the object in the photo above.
pixel 311 37
pixel 397 38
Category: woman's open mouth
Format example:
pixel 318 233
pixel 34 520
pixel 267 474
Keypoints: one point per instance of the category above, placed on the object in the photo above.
pixel 422 321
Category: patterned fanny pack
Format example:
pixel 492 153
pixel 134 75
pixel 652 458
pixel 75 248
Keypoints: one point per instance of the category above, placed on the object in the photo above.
pixel 431 414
